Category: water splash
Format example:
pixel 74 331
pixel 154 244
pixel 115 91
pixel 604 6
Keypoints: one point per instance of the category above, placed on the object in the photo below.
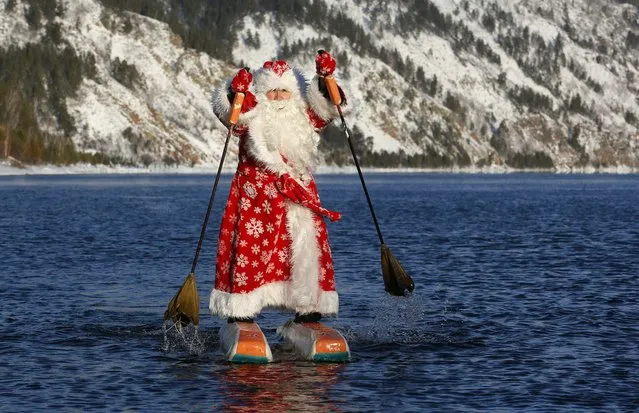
pixel 182 339
pixel 395 320
pixel 413 320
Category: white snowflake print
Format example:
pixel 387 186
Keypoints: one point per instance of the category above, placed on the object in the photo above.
pixel 259 184
pixel 266 256
pixel 282 255
pixel 260 175
pixel 270 228
pixel 325 247
pixel 284 237
pixel 279 272
pixel 266 206
pixel 222 248
pixel 224 268
pixel 223 287
pixel 270 268
pixel 322 275
pixel 257 210
pixel 255 249
pixel 265 243
pixel 225 231
pixel 254 264
pixel 329 266
pixel 234 191
pixel 278 217
pixel 246 171
pixel 254 227
pixel 259 276
pixel 282 204
pixel 245 204
pixel 270 191
pixel 241 278
pixel 243 243
pixel 250 190
pixel 242 260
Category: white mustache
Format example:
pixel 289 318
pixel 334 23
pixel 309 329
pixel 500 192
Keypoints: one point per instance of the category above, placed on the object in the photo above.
pixel 278 104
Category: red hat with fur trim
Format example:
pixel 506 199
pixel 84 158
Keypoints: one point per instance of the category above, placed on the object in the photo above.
pixel 277 74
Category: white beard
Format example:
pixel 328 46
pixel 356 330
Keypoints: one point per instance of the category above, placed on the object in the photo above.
pixel 282 127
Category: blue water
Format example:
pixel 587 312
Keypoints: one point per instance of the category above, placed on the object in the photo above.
pixel 527 297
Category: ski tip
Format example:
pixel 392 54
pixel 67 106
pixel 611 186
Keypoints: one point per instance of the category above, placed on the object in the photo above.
pixel 245 343
pixel 330 345
pixel 316 342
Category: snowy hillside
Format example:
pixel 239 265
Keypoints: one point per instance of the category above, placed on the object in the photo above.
pixel 448 83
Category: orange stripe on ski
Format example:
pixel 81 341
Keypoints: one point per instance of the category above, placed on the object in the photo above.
pixel 251 341
pixel 327 340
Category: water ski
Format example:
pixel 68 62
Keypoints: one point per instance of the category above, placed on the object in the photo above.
pixel 244 342
pixel 315 341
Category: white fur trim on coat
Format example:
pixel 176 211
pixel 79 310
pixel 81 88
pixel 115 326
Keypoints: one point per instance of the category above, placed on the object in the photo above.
pixel 274 295
pixel 305 258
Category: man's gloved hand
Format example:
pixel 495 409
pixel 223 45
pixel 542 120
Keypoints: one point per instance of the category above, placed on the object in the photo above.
pixel 241 83
pixel 325 66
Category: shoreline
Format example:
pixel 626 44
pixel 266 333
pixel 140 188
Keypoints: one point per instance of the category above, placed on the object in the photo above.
pixel 6 169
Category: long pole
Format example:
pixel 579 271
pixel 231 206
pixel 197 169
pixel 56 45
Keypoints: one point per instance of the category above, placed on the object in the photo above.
pixel 359 171
pixel 208 210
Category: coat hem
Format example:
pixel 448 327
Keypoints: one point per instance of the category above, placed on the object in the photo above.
pixel 272 295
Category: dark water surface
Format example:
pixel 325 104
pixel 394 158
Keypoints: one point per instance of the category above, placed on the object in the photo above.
pixel 527 297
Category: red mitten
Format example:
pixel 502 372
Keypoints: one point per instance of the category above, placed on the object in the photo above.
pixel 242 81
pixel 324 63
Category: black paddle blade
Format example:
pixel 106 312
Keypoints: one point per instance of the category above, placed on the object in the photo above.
pixel 184 307
pixel 396 280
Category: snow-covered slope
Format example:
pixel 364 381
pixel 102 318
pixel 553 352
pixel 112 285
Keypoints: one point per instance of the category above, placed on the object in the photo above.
pixel 166 115
pixel 481 65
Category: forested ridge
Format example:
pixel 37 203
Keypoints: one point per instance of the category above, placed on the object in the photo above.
pixel 37 78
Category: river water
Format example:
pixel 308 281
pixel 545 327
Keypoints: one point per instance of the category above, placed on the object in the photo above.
pixel 526 297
